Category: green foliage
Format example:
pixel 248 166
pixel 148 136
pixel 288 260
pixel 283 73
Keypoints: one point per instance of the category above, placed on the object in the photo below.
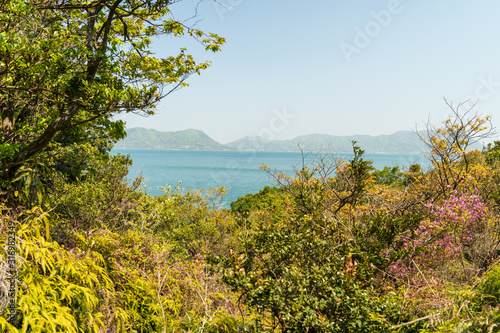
pixel 490 285
pixel 390 176
pixel 295 273
pixel 309 290
pixel 103 280
pixel 351 180
pixel 316 254
pixel 192 220
pixel 101 198
pixel 492 152
pixel 72 155
pixel 60 290
pixel 68 67
pixel 380 237
pixel 415 168
pixel 302 269
pixel 357 170
pixel 268 198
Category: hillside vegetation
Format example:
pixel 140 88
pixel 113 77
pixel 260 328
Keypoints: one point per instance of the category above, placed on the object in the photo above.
pixel 335 247
pixel 339 247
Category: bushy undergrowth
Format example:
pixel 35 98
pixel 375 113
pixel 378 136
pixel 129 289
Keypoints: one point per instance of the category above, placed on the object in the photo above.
pixel 350 249
pixel 137 277
pixel 337 247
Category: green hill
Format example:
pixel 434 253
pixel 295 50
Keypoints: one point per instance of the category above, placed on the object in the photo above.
pixel 397 143
pixel 403 142
pixel 191 139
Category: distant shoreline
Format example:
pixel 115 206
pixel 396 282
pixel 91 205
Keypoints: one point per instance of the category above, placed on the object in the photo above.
pixel 265 151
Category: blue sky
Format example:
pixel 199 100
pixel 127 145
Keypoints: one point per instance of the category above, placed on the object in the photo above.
pixel 372 67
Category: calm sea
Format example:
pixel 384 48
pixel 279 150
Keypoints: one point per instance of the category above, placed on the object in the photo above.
pixel 237 170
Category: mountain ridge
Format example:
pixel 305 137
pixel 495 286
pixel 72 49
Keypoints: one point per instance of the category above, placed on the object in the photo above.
pixel 190 139
pixel 400 142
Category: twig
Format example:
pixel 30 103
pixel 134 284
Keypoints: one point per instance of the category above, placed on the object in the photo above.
pixel 428 284
pixel 411 322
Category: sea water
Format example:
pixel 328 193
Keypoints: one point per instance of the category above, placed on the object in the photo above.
pixel 238 171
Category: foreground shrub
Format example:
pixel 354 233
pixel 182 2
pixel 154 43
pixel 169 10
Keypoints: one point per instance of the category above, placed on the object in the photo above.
pixel 300 266
pixel 192 220
pixel 439 248
pixel 58 290
pixel 101 280
pixel 102 198
pixel 268 198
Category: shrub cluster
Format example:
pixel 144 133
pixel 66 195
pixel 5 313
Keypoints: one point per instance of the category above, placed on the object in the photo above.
pixel 337 247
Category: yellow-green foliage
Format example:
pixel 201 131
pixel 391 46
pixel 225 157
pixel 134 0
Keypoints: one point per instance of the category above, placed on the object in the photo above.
pixel 105 281
pixel 192 220
pixel 58 290
pixel 101 197
pixel 157 289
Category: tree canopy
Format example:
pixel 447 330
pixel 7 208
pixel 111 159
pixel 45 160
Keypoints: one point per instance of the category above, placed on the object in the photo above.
pixel 68 66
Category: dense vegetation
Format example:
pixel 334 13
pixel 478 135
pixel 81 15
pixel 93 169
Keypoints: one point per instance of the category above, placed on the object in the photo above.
pixel 336 247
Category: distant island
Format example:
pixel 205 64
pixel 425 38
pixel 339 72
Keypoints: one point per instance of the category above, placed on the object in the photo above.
pixel 403 142
pixel 191 139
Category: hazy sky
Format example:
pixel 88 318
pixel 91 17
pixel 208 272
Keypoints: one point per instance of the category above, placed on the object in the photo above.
pixel 336 67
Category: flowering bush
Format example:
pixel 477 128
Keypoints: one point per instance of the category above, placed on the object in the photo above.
pixel 439 243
